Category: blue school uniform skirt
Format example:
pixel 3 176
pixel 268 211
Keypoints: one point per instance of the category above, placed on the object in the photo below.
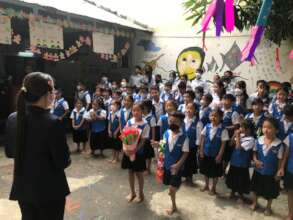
pixel 209 167
pixel 80 136
pixel 114 143
pixel 264 186
pixel 238 179
pixel 138 165
pixel 149 150
pixel 190 166
pixel 97 140
pixel 288 181
pixel 172 180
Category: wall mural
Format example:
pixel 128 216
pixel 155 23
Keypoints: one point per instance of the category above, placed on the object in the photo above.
pixel 189 60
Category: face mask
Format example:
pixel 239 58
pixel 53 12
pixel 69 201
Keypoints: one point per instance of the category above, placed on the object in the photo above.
pixel 78 88
pixel 197 96
pixel 198 76
pixel 202 103
pixel 238 91
pixel 80 95
pixel 174 127
pixel 123 84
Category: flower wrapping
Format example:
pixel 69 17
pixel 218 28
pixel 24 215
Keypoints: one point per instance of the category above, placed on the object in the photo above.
pixel 130 137
pixel 291 55
pixel 160 163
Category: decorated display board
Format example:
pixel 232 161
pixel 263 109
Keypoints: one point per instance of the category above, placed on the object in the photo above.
pixel 46 35
pixel 5 30
pixel 103 43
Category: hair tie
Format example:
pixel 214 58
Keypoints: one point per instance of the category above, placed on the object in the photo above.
pixel 23 89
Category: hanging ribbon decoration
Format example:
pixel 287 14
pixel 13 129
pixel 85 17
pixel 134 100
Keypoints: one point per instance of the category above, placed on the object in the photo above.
pixel 230 15
pixel 277 60
pixel 218 9
pixel 257 31
pixel 291 55
pixel 204 47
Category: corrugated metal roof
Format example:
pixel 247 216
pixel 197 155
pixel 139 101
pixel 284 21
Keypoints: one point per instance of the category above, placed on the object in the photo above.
pixel 90 9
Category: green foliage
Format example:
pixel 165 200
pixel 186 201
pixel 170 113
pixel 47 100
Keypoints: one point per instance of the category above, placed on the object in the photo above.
pixel 280 22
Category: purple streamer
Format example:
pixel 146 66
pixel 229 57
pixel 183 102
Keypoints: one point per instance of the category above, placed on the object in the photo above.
pixel 256 42
pixel 219 16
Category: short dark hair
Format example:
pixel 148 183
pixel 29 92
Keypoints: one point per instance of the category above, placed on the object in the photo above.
pixel 273 121
pixel 288 110
pixel 178 115
pixel 155 87
pixel 208 97
pixel 190 93
pixel 182 85
pixel 218 111
pixel 229 97
pixel 257 101
pixel 168 84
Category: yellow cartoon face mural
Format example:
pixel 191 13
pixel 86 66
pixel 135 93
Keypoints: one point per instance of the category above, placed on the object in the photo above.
pixel 189 60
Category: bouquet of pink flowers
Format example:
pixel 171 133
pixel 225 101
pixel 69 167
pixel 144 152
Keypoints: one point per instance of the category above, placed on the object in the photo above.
pixel 130 137
pixel 160 162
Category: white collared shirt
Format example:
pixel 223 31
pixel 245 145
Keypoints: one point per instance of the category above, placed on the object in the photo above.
pixel 224 136
pixel 77 113
pixel 153 122
pixel 126 113
pixel 266 148
pixel 160 121
pixel 199 127
pixel 247 142
pixel 173 139
pixel 103 113
pixel 235 116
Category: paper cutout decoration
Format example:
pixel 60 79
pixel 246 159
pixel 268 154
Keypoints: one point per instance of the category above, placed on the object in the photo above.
pixel 5 30
pixel 103 43
pixel 46 35
pixel 257 31
pixel 277 60
pixel 218 9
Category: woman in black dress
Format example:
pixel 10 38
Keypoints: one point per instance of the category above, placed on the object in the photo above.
pixel 36 140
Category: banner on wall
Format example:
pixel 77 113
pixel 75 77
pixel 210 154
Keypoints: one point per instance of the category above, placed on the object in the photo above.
pixel 103 43
pixel 5 30
pixel 46 35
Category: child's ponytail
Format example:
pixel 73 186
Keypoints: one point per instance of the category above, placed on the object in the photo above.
pixel 20 130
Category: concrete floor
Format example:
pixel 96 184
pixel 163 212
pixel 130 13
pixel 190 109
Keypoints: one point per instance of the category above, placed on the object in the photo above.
pixel 99 190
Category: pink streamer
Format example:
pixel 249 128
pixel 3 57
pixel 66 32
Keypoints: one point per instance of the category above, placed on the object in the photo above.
pixel 246 49
pixel 209 14
pixel 230 17
pixel 291 55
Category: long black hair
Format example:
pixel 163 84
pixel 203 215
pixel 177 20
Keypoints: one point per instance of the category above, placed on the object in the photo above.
pixel 35 86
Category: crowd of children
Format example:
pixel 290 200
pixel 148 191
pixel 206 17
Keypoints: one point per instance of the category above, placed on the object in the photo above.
pixel 215 128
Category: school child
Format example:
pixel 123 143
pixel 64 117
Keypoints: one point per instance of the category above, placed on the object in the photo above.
pixel 180 93
pixel 267 156
pixel 218 93
pixel 276 107
pixel 138 166
pixel 257 115
pixel 205 109
pixel 155 96
pixel 114 130
pixel 262 93
pixel 142 94
pixel 79 125
pixel 286 125
pixel 83 94
pixel 117 95
pixel 238 179
pixel 167 93
pixel 192 128
pixel 129 90
pixel 126 111
pixel 98 92
pixel 212 146
pixel 97 118
pixel 176 152
pixel 61 107
pixel 230 120
pixel 199 82
pixel 199 92
pixel 170 106
pixel 148 113
pixel 189 97
pixel 107 93
pixel 241 98
pixel 287 170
